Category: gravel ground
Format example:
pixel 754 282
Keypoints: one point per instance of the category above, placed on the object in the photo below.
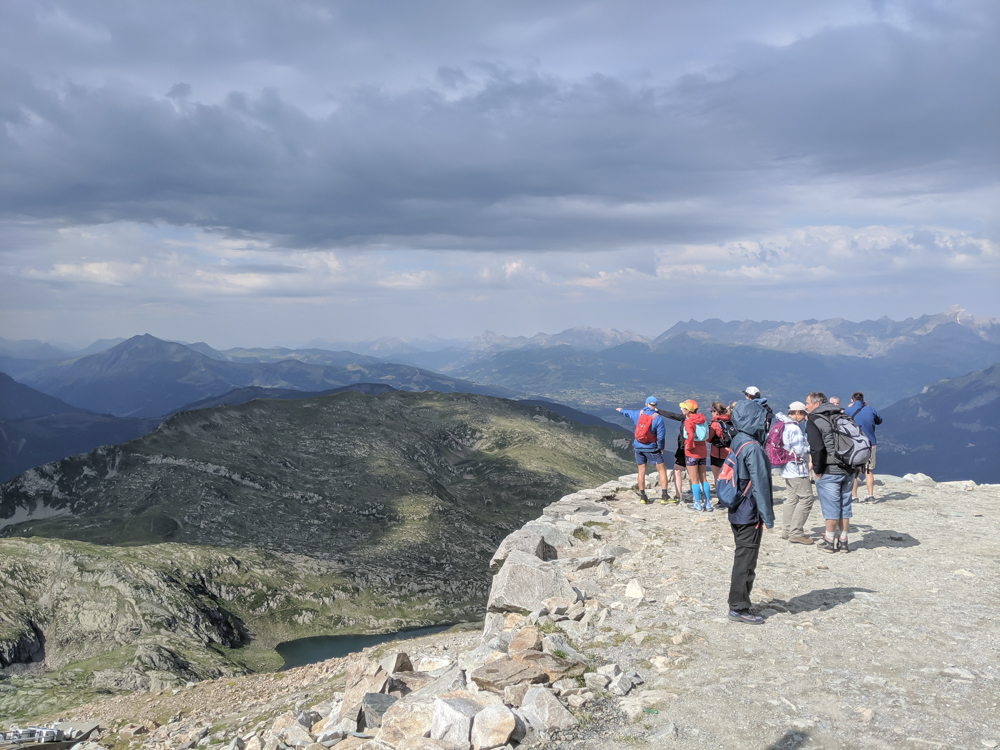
pixel 893 645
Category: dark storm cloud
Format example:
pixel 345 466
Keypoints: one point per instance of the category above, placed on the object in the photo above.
pixel 320 126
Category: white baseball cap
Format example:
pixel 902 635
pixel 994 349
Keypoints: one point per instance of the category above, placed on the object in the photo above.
pixel 796 406
pixel 752 391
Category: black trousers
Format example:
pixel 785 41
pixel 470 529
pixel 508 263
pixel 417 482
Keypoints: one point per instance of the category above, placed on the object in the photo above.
pixel 747 537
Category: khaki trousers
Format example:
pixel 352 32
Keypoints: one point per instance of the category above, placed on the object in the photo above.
pixel 795 511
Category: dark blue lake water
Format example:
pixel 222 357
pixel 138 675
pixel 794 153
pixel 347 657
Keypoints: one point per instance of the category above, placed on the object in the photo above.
pixel 322 647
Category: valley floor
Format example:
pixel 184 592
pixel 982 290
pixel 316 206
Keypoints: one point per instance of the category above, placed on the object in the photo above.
pixel 895 645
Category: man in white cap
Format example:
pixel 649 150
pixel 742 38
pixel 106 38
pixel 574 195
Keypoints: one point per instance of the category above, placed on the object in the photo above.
pixel 752 393
pixel 799 501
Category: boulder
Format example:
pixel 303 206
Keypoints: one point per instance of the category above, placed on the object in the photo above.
pixel 526 639
pixel 609 670
pixel 374 705
pixel 621 685
pixel 552 533
pixel 544 712
pixel 596 682
pixel 481 698
pixel 492 727
pixel 426 743
pixel 452 679
pixel 471 659
pixel 451 720
pixel 919 478
pixel 396 662
pixel 504 672
pixel 404 683
pixel 431 665
pixel 362 677
pixel 524 582
pixel 529 542
pixel 494 624
pixel 404 719
pixel 514 694
pixel 296 734
pixel 634 590
pixel 554 667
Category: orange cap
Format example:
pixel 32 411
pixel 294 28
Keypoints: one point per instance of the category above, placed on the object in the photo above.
pixel 690 405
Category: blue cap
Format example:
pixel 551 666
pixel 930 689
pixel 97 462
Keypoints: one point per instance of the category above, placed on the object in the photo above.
pixel 651 400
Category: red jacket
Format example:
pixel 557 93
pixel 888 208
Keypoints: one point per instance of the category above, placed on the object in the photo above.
pixel 715 429
pixel 695 449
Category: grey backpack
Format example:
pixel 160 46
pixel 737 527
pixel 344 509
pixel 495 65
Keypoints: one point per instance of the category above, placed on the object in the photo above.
pixel 852 448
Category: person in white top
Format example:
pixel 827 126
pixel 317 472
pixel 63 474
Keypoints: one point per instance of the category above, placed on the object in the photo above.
pixel 800 499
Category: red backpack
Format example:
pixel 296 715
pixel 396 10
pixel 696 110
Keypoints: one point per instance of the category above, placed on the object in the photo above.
pixel 773 447
pixel 644 431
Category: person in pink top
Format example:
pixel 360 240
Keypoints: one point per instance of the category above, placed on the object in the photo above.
pixel 696 453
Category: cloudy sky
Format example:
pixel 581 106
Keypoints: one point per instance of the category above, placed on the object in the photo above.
pixel 252 173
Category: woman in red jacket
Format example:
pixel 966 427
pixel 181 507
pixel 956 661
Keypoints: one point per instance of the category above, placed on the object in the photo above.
pixel 696 453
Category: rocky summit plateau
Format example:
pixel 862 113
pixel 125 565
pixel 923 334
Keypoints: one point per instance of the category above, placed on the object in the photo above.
pixel 606 627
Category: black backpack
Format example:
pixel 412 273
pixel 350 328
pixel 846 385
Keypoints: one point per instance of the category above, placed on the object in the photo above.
pixel 728 433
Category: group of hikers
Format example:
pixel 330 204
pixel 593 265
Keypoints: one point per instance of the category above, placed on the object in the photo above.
pixel 816 443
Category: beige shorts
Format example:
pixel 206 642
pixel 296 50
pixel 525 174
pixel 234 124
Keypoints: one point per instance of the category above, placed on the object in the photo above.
pixel 870 466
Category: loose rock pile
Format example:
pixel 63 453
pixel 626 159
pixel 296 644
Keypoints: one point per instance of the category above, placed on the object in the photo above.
pixel 606 628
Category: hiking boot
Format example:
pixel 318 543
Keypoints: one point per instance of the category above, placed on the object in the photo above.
pixel 643 499
pixel 870 499
pixel 746 617
pixel 664 498
pixel 855 500
pixel 800 539
pixel 842 546
pixel 827 546
pixel 709 508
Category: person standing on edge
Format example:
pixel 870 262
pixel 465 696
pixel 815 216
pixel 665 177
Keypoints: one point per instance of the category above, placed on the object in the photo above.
pixel 866 418
pixel 752 393
pixel 795 511
pixel 833 481
pixel 696 453
pixel 650 433
pixel 749 519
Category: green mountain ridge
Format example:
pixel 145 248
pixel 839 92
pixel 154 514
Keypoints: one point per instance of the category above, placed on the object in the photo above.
pixel 274 520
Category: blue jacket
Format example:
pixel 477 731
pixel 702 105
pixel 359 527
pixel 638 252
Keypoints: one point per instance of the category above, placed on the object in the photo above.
pixel 657 426
pixel 864 417
pixel 750 420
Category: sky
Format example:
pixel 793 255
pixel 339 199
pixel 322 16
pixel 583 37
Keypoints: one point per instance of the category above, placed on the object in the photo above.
pixel 259 173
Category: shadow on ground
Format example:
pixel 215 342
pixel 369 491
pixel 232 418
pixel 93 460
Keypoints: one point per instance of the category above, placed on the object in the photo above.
pixel 789 741
pixel 872 538
pixel 893 496
pixel 820 599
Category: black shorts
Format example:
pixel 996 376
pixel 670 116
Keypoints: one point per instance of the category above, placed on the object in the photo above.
pixel 716 461
pixel 679 457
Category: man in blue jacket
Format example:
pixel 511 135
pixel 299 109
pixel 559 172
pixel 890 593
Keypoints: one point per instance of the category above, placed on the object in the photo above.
pixel 650 433
pixel 749 518
pixel 866 418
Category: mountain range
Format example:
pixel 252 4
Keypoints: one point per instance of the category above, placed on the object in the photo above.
pixel 949 431
pixel 147 377
pixel 583 369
